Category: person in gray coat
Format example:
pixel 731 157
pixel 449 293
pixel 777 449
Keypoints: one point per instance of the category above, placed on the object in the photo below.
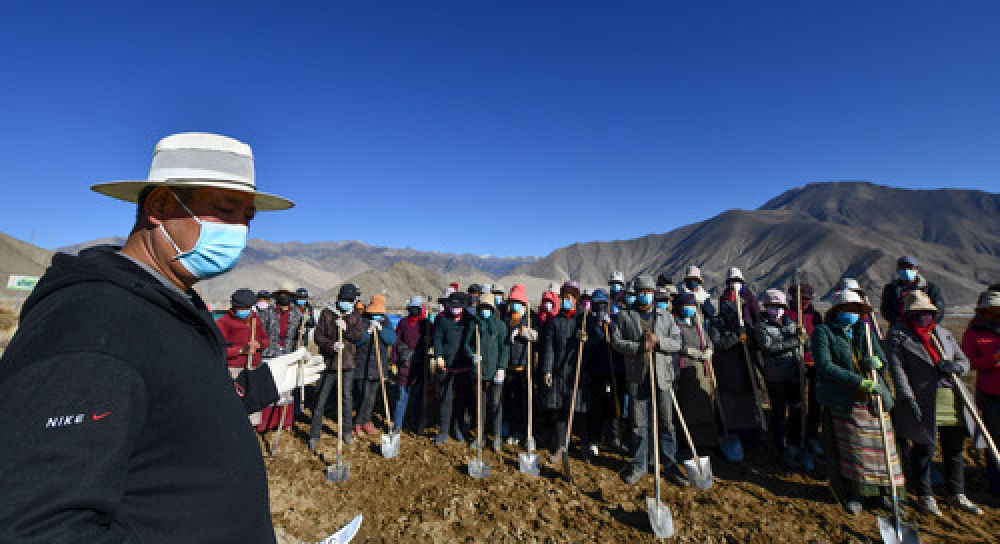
pixel 777 336
pixel 639 331
pixel 921 355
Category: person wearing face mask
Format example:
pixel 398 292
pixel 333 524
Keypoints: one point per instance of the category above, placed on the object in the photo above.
pixel 548 308
pixel 136 427
pixel 453 367
pixel 338 320
pixel 263 300
pixel 413 338
pixel 778 338
pixel 628 300
pixel 498 292
pixel 474 292
pixel 810 319
pixel 379 335
pixel 606 369
pixel 853 445
pixel 693 384
pixel 560 345
pixel 302 303
pixel 981 343
pixel 736 393
pixel 908 279
pixel 521 331
pixel 694 284
pixel 922 354
pixel 235 328
pixel 662 298
pixel 492 357
pixel 616 291
pixel 639 332
pixel 282 320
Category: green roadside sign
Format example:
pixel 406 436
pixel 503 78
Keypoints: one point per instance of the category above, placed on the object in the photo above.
pixel 21 283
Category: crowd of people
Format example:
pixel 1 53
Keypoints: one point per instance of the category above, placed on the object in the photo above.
pixel 749 372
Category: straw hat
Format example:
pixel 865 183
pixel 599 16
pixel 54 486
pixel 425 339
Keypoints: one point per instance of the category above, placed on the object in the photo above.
pixel 198 159
pixel 918 301
pixel 845 297
pixel 377 306
pixel 774 297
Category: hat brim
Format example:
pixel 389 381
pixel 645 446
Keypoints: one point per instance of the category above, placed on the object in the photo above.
pixel 865 308
pixel 129 191
pixel 921 308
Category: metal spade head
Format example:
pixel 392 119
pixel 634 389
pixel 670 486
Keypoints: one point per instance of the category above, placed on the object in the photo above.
pixel 702 479
pixel 338 472
pixel 732 448
pixel 345 534
pixel 660 519
pixel 478 469
pixel 529 443
pixel 528 463
pixel 907 532
pixel 390 445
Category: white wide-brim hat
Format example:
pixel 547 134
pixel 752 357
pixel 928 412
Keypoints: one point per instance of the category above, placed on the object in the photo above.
pixel 198 159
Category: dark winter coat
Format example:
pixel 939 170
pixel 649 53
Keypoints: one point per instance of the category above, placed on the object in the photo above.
pixel 598 350
pixel 559 355
pixel 366 363
pixel 779 347
pixel 892 298
pixel 136 432
pixel 627 340
pixel 237 335
pixel 272 321
pixel 840 364
pixel 917 377
pixel 326 336
pixel 449 336
pixel 493 343
pixel 413 338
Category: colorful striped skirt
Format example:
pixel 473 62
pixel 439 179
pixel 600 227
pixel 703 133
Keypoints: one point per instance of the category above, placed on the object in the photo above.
pixel 859 445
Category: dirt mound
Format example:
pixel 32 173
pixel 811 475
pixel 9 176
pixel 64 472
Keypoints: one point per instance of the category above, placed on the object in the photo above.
pixel 425 495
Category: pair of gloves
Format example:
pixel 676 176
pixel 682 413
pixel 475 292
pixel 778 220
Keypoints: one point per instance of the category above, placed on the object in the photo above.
pixel 525 332
pixel 285 369
pixel 697 354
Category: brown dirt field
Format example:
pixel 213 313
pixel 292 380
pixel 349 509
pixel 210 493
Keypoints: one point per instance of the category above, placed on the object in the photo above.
pixel 425 495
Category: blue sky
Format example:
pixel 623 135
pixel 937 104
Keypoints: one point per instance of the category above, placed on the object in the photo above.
pixel 505 128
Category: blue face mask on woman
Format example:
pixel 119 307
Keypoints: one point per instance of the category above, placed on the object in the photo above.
pixel 498 299
pixel 485 314
pixel 687 311
pixel 630 299
pixel 907 274
pixel 243 314
pixel 300 301
pixel 645 299
pixel 663 305
pixel 616 288
pixel 567 304
pixel 217 250
pixel 847 318
pixel 345 306
pixel 516 307
pixel 375 317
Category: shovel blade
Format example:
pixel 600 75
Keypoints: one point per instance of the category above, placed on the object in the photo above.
pixel 565 465
pixel 478 469
pixel 528 463
pixel 660 519
pixel 338 473
pixel 700 473
pixel 907 532
pixel 530 443
pixel 732 448
pixel 345 534
pixel 390 445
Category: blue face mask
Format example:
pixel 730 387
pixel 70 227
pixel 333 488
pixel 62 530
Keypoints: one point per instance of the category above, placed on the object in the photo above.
pixel 485 314
pixel 498 299
pixel 645 299
pixel 345 306
pixel 847 318
pixel 217 250
pixel 687 311
pixel 300 301
pixel 691 284
pixel 630 299
pixel 663 305
pixel 516 307
pixel 376 317
pixel 243 314
pixel 567 304
pixel 907 274
pixel 616 288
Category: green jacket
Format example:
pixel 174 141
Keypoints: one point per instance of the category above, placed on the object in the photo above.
pixel 493 342
pixel 837 374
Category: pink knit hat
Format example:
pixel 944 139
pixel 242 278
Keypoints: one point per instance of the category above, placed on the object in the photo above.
pixel 519 293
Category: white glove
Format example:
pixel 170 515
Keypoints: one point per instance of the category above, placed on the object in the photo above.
pixel 440 363
pixel 341 324
pixel 375 326
pixel 499 376
pixel 607 318
pixel 284 369
pixel 476 358
pixel 338 346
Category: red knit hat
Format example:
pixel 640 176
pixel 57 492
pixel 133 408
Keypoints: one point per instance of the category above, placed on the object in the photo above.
pixel 519 293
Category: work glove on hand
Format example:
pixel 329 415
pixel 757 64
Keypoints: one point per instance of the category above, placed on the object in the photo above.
pixel 498 378
pixel 374 327
pixel 583 336
pixel 867 386
pixel 529 334
pixel 548 379
pixel 477 358
pixel 948 366
pixel 338 346
pixel 606 318
pixel 873 362
pixel 341 324
pixel 284 369
pixel 440 363
pixel 914 408
pixel 393 370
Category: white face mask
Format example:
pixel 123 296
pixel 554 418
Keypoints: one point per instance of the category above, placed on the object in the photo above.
pixel 547 306
pixel 262 304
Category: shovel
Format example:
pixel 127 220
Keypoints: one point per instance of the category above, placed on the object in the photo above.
pixel 660 519
pixel 340 471
pixel 345 534
pixel 894 531
pixel 698 469
pixel 527 461
pixel 477 468
pixel 390 441
pixel 572 401
pixel 807 459
pixel 754 385
pixel 732 448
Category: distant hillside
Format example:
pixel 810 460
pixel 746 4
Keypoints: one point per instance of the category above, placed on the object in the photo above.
pixel 827 230
pixel 20 258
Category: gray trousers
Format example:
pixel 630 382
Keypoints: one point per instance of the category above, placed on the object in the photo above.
pixel 642 426
pixel 327 387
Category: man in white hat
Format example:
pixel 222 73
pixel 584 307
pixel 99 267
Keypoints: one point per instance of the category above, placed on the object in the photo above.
pixel 694 284
pixel 116 446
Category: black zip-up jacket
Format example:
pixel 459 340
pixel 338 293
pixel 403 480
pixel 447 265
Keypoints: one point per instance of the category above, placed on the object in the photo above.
pixel 121 423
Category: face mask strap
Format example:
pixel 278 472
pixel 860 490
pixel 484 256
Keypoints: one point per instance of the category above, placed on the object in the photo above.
pixel 165 233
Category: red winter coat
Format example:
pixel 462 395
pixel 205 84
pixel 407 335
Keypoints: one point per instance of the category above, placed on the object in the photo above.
pixel 979 343
pixel 810 318
pixel 237 335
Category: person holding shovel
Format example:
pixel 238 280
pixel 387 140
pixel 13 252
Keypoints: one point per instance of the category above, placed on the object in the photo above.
pixel 639 331
pixel 235 327
pixel 854 447
pixel 981 343
pixel 810 320
pixel 493 357
pixel 778 338
pixel 694 382
pixel 453 367
pixel 560 346
pixel 136 428
pixel 372 352
pixel 922 354
pixel 522 334
pixel 413 337
pixel 607 373
pixel 694 284
pixel 339 320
